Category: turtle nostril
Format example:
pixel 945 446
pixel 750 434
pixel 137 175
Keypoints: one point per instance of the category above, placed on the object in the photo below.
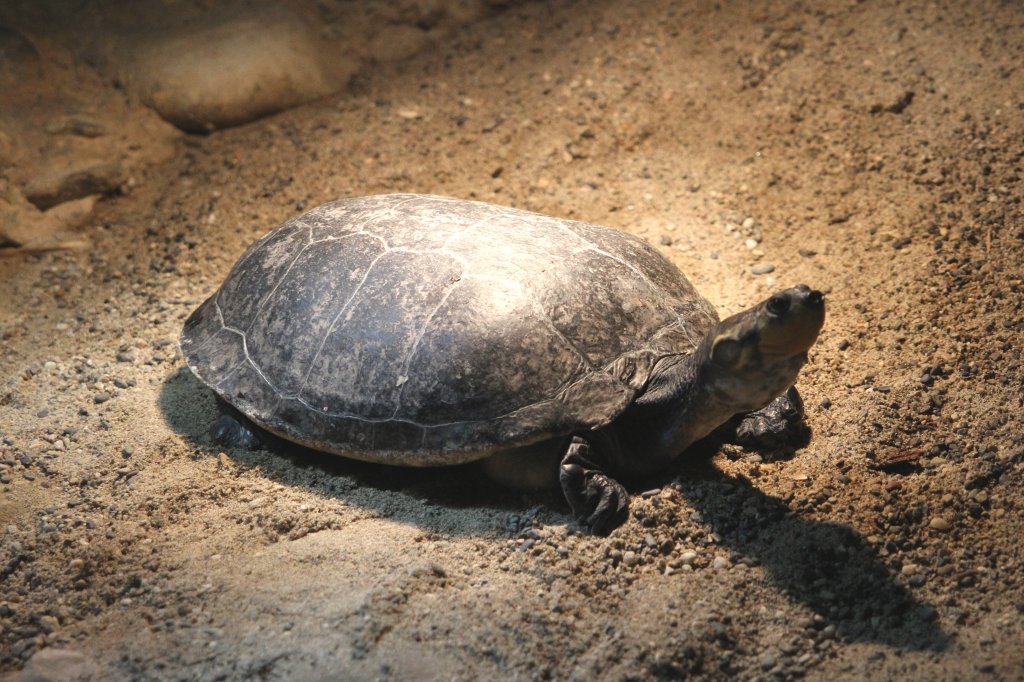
pixel 814 298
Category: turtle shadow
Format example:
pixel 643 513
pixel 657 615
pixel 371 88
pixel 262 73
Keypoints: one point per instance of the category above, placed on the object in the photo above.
pixel 398 493
pixel 826 566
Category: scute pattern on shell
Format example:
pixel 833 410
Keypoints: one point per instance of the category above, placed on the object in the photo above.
pixel 423 330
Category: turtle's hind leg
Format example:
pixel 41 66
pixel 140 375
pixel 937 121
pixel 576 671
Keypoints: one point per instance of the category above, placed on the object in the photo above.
pixel 599 503
pixel 232 430
pixel 780 423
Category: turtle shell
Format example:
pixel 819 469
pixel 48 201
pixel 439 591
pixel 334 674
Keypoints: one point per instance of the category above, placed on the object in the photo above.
pixel 425 330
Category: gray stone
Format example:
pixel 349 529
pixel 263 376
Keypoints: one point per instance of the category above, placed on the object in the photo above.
pixel 59 665
pixel 231 69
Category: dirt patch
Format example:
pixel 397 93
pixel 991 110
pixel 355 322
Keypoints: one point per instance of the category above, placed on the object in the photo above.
pixel 874 151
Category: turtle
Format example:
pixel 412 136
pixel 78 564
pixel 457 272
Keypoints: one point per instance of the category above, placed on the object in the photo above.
pixel 421 330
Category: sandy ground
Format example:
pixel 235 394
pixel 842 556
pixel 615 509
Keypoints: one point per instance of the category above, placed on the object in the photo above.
pixel 871 149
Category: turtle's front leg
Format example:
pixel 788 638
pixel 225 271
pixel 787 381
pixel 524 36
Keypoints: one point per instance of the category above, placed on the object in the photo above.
pixel 599 503
pixel 779 423
pixel 232 430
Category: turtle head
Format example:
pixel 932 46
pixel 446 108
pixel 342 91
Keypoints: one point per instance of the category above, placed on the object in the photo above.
pixel 755 355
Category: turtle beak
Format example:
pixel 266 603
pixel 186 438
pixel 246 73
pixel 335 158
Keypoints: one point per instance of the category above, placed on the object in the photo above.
pixel 790 320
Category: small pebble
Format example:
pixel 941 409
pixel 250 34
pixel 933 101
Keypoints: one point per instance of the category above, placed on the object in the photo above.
pixel 844 344
pixel 825 403
pixel 666 240
pixel 48 624
pixel 762 269
pixel 630 558
pixel 101 397
pixel 939 523
pixel 720 563
pixel 688 557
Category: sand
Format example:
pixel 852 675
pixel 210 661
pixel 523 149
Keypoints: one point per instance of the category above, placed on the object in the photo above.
pixel 872 150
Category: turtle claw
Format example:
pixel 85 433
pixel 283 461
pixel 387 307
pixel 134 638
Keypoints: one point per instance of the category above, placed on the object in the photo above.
pixel 599 503
pixel 778 424
pixel 232 432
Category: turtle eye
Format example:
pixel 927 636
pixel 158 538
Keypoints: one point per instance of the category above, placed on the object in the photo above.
pixel 778 304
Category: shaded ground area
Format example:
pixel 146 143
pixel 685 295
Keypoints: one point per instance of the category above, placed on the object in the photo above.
pixel 873 150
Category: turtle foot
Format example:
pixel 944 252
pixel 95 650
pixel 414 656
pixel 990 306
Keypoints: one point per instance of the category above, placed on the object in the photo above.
pixel 778 424
pixel 232 432
pixel 599 503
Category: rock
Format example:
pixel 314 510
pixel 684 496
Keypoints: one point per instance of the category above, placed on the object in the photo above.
pixel 896 105
pixel 48 624
pixel 762 269
pixel 59 665
pixel 59 183
pixel 939 523
pixel 231 69
pixel 23 225
pixel 397 42
pixel 76 125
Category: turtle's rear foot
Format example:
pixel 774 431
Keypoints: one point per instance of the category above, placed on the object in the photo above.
pixel 776 425
pixel 233 431
pixel 599 503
